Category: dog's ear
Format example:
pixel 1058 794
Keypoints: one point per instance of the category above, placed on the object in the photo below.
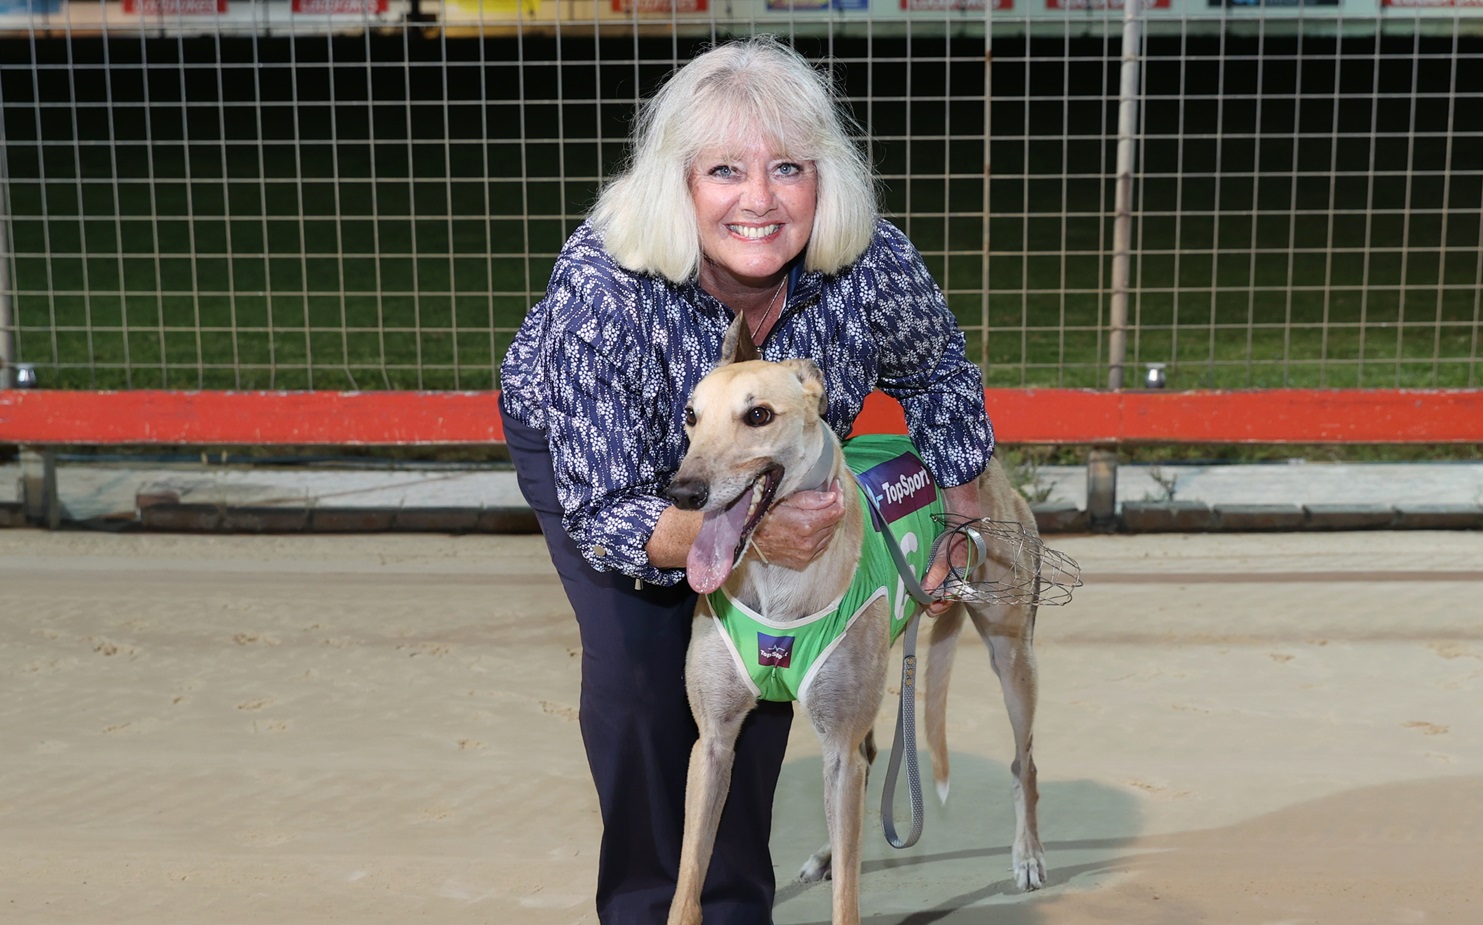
pixel 813 381
pixel 737 347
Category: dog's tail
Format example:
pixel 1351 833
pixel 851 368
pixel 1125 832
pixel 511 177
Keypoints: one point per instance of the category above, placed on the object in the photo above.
pixel 942 643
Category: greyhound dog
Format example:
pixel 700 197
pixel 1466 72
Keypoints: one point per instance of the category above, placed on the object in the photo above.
pixel 756 436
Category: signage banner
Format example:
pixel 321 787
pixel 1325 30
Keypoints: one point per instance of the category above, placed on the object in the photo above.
pixel 498 10
pixel 1260 4
pixel 1101 4
pixel 791 6
pixel 938 6
pixel 665 7
pixel 175 7
pixel 339 7
pixel 29 7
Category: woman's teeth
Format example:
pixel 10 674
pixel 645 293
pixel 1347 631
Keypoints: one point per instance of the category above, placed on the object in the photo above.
pixel 752 231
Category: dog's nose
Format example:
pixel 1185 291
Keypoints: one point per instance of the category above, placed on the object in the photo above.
pixel 689 494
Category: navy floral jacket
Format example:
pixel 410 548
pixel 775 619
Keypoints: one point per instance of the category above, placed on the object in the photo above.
pixel 606 361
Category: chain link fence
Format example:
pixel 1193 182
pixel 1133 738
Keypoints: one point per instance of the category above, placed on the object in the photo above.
pixel 360 194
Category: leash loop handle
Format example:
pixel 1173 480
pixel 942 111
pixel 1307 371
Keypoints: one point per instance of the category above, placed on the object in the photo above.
pixel 905 741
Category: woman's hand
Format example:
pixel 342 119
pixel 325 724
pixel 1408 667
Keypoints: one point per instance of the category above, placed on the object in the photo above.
pixel 792 534
pixel 799 527
pixel 962 501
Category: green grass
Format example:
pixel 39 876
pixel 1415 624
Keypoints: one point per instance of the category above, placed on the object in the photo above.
pixel 259 255
pixel 228 282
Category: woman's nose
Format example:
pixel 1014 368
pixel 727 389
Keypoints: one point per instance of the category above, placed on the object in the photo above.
pixel 759 194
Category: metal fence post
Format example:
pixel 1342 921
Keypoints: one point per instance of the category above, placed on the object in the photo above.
pixel 7 305
pixel 1102 488
pixel 988 178
pixel 1102 464
pixel 38 487
pixel 1122 228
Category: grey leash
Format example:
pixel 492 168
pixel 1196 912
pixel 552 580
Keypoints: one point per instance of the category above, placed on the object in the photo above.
pixel 906 739
pixel 906 714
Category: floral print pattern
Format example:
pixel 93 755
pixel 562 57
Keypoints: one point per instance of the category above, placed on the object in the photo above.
pixel 607 360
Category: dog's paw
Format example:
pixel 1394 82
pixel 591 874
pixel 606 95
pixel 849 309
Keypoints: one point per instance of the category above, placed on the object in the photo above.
pixel 817 867
pixel 1029 871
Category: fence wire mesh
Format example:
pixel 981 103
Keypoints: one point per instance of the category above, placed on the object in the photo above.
pixel 355 194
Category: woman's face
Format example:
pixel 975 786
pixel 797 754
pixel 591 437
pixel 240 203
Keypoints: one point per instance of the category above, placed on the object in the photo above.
pixel 755 208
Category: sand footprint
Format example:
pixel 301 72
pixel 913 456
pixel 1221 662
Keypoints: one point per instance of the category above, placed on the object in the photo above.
pixel 1160 789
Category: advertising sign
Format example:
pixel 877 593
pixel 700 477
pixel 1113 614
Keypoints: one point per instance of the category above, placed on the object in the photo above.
pixel 938 6
pixel 339 7
pixel 493 10
pixel 665 7
pixel 1101 4
pixel 175 7
pixel 1259 4
pixel 29 7
pixel 798 6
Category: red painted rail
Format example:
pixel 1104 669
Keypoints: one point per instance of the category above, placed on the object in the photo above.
pixel 1064 416
pixel 1026 416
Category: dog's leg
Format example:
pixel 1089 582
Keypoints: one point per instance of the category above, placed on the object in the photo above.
pixel 706 786
pixel 842 702
pixel 720 704
pixel 844 810
pixel 1009 630
pixel 942 644
pixel 817 867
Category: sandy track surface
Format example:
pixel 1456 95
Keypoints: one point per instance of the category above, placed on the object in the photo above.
pixel 377 729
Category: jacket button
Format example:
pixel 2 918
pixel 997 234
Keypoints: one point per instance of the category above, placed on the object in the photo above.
pixel 600 551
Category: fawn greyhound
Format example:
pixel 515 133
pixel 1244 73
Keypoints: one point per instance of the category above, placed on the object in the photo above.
pixel 756 436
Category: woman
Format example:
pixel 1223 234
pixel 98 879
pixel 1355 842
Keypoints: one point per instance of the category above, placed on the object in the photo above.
pixel 744 194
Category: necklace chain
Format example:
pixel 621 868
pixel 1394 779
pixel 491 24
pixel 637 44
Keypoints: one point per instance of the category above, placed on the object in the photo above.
pixel 768 313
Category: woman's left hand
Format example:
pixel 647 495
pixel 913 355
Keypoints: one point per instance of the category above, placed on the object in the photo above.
pixel 959 501
pixel 799 527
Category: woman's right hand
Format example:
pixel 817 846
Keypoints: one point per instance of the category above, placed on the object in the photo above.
pixel 799 527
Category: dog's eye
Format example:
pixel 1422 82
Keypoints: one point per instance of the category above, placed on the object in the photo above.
pixel 689 417
pixel 759 416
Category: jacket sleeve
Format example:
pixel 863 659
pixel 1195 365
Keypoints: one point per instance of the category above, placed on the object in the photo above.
pixel 598 428
pixel 924 364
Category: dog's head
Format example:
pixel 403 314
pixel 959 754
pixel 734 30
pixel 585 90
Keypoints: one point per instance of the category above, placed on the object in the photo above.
pixel 755 432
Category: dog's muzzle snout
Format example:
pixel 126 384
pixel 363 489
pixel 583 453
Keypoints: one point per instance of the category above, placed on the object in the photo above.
pixel 689 494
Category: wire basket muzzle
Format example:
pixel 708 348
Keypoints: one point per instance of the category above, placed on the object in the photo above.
pixel 1002 562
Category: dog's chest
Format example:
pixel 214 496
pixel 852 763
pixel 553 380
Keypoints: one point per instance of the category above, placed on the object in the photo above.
pixel 779 658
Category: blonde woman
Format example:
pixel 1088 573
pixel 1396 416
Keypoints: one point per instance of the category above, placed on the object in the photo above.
pixel 744 194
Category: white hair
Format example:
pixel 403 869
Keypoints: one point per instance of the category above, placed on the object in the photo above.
pixel 757 87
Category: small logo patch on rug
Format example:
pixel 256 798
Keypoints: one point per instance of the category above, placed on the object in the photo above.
pixel 774 650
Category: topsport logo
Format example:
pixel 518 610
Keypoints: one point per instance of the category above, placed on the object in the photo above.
pixel 774 650
pixel 900 486
pixel 906 486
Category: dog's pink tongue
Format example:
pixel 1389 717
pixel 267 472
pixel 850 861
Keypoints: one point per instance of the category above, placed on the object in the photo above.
pixel 714 549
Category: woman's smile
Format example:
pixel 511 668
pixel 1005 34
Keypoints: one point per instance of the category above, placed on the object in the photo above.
pixel 754 232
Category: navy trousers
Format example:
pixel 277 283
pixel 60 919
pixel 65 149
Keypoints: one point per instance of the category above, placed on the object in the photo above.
pixel 638 733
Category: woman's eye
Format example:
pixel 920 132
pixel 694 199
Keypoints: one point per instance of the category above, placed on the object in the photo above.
pixel 759 416
pixel 721 170
pixel 689 417
pixel 790 169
